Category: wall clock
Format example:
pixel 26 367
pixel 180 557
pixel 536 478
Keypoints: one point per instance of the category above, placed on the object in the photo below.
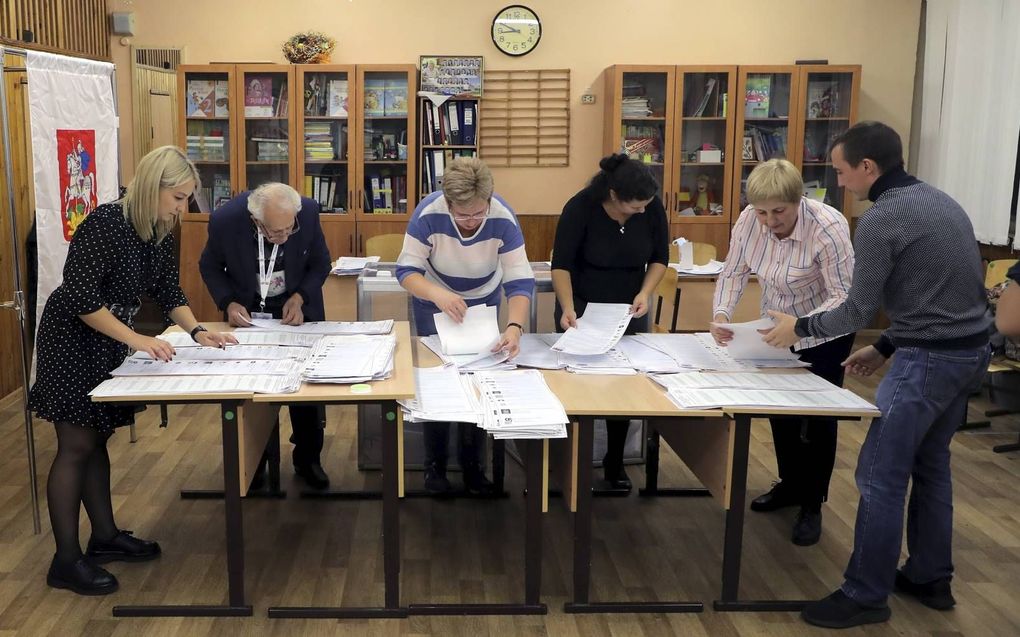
pixel 516 30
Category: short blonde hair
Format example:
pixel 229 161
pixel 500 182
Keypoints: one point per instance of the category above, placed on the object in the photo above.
pixel 164 167
pixel 467 179
pixel 775 180
pixel 276 193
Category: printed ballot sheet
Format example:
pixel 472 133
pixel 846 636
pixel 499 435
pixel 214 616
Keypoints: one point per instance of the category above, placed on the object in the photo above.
pixel 467 363
pixel 443 395
pixel 744 380
pixel 193 385
pixel 326 328
pixel 477 333
pixel 350 359
pixel 248 336
pixel 519 404
pixel 597 331
pixel 834 399
pixel 234 353
pixel 747 342
pixel 151 367
pixel 351 266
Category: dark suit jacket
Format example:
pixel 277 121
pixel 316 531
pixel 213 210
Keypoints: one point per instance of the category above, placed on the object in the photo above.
pixel 228 262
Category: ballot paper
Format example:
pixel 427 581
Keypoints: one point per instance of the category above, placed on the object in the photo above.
pixel 467 363
pixel 234 352
pixel 518 404
pixel 191 385
pixel 536 352
pixel 151 367
pixel 324 328
pixel 743 380
pixel 747 342
pixel 691 352
pixel 442 395
pixel 645 358
pixel 350 359
pixel 248 336
pixel 612 362
pixel 597 331
pixel 477 333
pixel 350 266
pixel 834 399
pixel 747 364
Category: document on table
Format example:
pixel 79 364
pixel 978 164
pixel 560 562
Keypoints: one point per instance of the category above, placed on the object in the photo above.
pixel 443 395
pixel 707 269
pixel 646 358
pixel 234 353
pixel 350 359
pixel 477 333
pixel 747 342
pixel 325 328
pixel 248 336
pixel 536 352
pixel 519 404
pixel 692 352
pixel 466 363
pixel 151 367
pixel 743 380
pixel 352 265
pixel 613 362
pixel 597 331
pixel 191 385
pixel 834 399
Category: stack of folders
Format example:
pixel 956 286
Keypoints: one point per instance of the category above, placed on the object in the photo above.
pixel 518 404
pixel 442 395
pixel 796 391
pixel 350 359
pixel 352 266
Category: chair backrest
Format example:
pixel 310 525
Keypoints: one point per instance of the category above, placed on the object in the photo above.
pixel 996 271
pixel 664 303
pixel 703 252
pixel 386 246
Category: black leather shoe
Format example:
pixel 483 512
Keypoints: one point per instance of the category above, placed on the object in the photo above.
pixel 839 611
pixel 435 480
pixel 476 482
pixel 777 498
pixel 82 577
pixel 617 478
pixel 124 547
pixel 313 475
pixel 808 528
pixel 937 594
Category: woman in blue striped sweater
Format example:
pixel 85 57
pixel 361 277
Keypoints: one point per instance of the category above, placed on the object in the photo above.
pixel 462 246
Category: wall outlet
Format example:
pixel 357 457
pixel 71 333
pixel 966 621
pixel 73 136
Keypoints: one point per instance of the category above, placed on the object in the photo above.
pixel 587 98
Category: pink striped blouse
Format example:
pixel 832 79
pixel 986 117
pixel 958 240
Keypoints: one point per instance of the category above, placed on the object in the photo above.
pixel 805 273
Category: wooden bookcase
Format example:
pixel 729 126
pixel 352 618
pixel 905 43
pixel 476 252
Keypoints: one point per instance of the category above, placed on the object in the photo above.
pixel 448 130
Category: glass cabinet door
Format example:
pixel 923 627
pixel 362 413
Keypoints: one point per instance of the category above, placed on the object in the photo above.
pixel 646 100
pixel 701 179
pixel 324 161
pixel 384 103
pixel 827 104
pixel 207 107
pixel 266 99
pixel 764 121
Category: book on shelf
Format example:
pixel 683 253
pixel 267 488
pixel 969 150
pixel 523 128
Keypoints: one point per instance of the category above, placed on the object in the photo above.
pixel 281 102
pixel 767 142
pixel 703 104
pixel 258 96
pixel 375 98
pixel 757 96
pixel 822 99
pixel 201 98
pixel 222 99
pixel 221 190
pixel 206 148
pixel 336 100
pixel 395 98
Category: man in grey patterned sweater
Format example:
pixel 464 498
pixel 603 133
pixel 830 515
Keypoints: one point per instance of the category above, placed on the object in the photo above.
pixel 918 259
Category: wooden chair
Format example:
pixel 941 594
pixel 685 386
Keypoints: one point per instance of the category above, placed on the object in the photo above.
pixel 666 295
pixel 386 246
pixel 703 253
pixel 996 271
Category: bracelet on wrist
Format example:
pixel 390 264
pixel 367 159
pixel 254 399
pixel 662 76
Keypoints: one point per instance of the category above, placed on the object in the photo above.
pixel 195 330
pixel 517 325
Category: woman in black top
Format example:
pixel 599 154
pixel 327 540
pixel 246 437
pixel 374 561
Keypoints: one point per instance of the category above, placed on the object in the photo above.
pixel 612 246
pixel 120 251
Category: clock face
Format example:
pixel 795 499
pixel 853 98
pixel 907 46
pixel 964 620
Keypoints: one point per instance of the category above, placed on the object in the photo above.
pixel 516 30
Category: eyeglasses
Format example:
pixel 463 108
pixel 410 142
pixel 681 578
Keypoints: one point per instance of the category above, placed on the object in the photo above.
pixel 283 232
pixel 475 216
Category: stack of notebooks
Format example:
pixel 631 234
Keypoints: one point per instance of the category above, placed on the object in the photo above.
pixel 350 359
pixel 320 143
pixel 518 404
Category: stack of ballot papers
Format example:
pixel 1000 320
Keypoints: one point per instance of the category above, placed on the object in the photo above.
pixel 441 394
pixel 350 359
pixel 324 328
pixel 751 354
pixel 235 353
pixel 151 367
pixel 518 404
pixel 796 391
pixel 468 363
pixel 628 357
pixel 597 331
pixel 645 358
pixel 477 333
pixel 184 385
pixel 348 266
pixel 248 336
pixel 690 352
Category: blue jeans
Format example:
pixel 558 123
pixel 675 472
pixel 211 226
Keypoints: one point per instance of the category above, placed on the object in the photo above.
pixel 923 399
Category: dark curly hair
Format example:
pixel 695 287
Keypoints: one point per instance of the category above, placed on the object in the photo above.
pixel 628 178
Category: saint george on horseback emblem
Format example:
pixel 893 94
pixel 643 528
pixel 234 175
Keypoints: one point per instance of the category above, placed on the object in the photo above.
pixel 76 150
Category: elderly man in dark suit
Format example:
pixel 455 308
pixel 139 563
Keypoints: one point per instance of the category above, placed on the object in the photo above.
pixel 266 257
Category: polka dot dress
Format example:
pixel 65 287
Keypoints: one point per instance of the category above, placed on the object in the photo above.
pixel 107 263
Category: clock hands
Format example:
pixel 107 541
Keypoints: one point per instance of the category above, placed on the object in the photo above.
pixel 508 29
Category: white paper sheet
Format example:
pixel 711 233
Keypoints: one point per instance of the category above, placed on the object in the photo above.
pixel 234 353
pixel 597 331
pixel 150 367
pixel 747 343
pixel 193 385
pixel 346 266
pixel 835 399
pixel 443 395
pixel 477 333
pixel 248 336
pixel 519 404
pixel 646 358
pixel 743 380
pixel 325 328
pixel 350 359
pixel 692 352
pixel 536 352
pixel 706 269
pixel 467 363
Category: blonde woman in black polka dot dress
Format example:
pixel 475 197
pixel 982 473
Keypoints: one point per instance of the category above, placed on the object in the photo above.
pixel 120 251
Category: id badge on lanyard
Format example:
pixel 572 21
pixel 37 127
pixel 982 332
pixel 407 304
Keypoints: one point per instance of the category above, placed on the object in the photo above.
pixel 265 275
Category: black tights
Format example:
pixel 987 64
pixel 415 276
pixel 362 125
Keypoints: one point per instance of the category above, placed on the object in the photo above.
pixel 80 474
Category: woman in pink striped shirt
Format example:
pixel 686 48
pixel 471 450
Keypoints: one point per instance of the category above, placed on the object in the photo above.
pixel 800 251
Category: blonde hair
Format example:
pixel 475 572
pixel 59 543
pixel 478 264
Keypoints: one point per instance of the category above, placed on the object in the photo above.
pixel 467 179
pixel 164 167
pixel 274 192
pixel 775 180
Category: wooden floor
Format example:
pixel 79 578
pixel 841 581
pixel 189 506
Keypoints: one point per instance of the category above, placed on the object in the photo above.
pixel 309 553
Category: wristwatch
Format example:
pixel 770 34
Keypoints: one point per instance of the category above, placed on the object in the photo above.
pixel 517 325
pixel 196 330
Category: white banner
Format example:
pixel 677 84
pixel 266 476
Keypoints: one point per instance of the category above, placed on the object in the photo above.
pixel 74 152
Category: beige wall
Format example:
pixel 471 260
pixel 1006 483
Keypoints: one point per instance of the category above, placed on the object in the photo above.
pixel 585 36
